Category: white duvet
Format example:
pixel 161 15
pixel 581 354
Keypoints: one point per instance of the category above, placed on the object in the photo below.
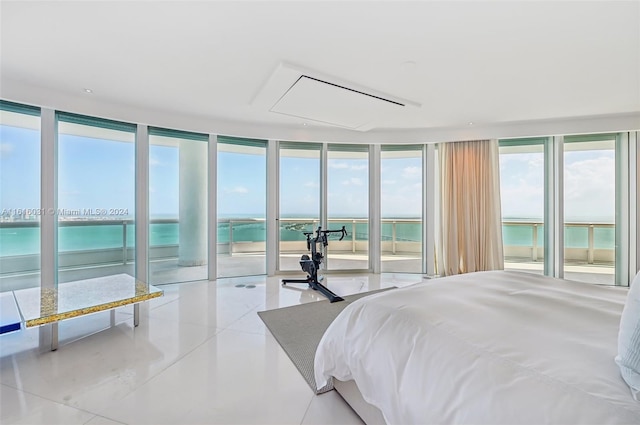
pixel 490 348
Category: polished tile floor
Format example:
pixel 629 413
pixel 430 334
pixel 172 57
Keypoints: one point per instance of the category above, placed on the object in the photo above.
pixel 201 355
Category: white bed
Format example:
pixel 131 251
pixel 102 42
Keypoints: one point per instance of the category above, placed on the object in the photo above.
pixel 489 347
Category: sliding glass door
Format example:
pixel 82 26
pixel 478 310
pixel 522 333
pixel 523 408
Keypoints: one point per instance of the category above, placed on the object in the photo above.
pixel 348 206
pixel 178 194
pixel 299 167
pixel 522 193
pixel 96 197
pixel 401 208
pixel 20 206
pixel 590 208
pixel 242 206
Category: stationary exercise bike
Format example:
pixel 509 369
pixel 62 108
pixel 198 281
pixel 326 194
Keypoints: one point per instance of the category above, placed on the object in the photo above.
pixel 311 264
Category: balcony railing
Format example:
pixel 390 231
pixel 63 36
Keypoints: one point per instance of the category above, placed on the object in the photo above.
pixel 581 242
pixel 112 241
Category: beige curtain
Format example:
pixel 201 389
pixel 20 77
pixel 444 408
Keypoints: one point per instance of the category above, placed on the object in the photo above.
pixel 470 218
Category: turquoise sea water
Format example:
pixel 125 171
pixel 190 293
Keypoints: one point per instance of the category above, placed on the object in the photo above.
pixel 26 240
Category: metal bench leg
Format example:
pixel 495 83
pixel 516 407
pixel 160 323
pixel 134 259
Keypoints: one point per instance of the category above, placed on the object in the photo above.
pixel 136 314
pixel 54 336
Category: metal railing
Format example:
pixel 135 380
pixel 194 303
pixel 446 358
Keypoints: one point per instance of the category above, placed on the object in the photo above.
pixel 239 240
pixel 571 252
pixel 352 224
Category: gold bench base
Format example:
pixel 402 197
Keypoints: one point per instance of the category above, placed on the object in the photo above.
pixel 41 306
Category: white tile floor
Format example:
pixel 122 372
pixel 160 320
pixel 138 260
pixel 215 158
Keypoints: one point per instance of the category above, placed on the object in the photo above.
pixel 201 355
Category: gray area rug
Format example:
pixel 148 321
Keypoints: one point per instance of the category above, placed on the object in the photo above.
pixel 299 328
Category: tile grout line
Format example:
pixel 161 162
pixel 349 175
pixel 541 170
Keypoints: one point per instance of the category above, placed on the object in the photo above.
pixel 51 400
pixel 306 412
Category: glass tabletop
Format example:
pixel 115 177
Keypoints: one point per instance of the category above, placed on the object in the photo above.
pixel 71 299
pixel 9 316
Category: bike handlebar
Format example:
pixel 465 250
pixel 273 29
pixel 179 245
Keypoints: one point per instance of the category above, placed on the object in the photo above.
pixel 322 234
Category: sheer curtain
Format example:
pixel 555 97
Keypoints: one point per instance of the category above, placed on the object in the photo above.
pixel 470 236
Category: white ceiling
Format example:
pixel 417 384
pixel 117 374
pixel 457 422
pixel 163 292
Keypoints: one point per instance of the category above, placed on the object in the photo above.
pixel 511 68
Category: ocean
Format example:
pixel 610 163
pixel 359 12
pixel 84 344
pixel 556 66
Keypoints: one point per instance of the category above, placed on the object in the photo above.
pixel 26 240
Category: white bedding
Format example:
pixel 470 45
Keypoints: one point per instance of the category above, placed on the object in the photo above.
pixel 489 347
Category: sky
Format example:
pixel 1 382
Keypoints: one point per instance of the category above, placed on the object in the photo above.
pixel 99 174
pixel 401 187
pixel 589 186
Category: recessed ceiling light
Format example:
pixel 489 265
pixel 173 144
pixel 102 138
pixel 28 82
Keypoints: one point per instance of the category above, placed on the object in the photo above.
pixel 470 123
pixel 88 91
pixel 304 123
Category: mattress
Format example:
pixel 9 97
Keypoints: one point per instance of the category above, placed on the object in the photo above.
pixel 488 347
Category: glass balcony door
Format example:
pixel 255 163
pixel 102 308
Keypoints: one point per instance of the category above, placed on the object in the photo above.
pixel 242 206
pixel 348 206
pixel 522 195
pixel 96 198
pixel 401 208
pixel 300 198
pixel 178 182
pixel 590 208
pixel 20 212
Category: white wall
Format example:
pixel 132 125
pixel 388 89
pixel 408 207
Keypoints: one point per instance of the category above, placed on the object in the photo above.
pixel 85 104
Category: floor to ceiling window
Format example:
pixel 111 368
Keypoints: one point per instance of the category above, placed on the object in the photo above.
pixel 96 197
pixel 348 206
pixel 300 195
pixel 589 208
pixel 19 196
pixel 178 184
pixel 401 208
pixel 242 206
pixel 96 184
pixel 522 194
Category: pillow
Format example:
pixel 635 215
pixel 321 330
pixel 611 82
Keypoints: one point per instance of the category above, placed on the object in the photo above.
pixel 628 358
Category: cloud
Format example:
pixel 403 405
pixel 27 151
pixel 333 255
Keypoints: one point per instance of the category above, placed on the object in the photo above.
pixel 589 188
pixel 353 181
pixel 338 165
pixel 347 166
pixel 401 203
pixel 536 162
pixel 237 189
pixel 311 184
pixel 389 182
pixel 153 162
pixel 6 148
pixel 412 172
pixel 355 205
pixel 523 201
pixel 522 185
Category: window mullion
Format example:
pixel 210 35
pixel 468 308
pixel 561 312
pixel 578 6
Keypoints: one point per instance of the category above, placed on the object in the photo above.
pixel 554 208
pixel 48 334
pixel 375 232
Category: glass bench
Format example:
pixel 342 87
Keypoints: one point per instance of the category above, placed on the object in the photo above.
pixel 9 315
pixel 41 306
